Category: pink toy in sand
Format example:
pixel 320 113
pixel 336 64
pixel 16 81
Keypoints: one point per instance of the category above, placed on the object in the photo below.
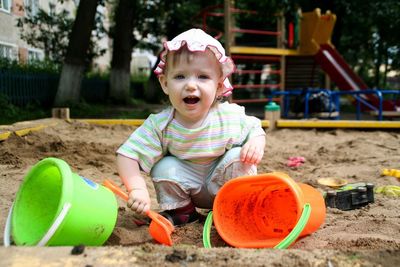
pixel 295 161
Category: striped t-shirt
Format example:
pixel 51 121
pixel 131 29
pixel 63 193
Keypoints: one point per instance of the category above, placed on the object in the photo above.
pixel 226 126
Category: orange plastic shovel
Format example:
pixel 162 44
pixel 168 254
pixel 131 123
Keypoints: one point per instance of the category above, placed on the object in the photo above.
pixel 160 228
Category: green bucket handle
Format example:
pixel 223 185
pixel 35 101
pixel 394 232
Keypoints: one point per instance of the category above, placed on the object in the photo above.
pixel 49 234
pixel 285 243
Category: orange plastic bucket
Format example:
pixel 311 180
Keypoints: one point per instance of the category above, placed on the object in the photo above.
pixel 259 211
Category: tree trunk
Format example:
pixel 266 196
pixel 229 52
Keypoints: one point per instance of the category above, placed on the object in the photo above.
pixel 69 84
pixel 120 85
pixel 153 92
pixel 73 69
pixel 384 83
pixel 378 62
pixel 122 51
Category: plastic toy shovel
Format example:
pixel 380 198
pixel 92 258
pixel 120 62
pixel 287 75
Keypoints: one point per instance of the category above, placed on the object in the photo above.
pixel 160 228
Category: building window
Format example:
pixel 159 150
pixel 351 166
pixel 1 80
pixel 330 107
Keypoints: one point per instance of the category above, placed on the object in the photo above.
pixel 5 5
pixel 31 7
pixel 8 51
pixel 35 55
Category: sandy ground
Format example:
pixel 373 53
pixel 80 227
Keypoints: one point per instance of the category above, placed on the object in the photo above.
pixel 369 236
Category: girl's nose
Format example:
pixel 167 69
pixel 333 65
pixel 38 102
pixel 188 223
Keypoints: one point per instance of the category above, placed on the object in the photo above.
pixel 191 84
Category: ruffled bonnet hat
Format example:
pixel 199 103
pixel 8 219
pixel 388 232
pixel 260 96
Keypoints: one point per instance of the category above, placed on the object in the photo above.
pixel 197 40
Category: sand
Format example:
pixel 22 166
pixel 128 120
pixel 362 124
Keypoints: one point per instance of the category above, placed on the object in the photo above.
pixel 368 236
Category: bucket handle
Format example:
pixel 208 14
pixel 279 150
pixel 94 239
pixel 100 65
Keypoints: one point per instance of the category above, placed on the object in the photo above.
pixel 285 243
pixel 7 228
pixel 49 234
pixel 296 231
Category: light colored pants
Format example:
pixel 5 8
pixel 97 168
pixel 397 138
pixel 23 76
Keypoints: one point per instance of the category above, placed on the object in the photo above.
pixel 179 182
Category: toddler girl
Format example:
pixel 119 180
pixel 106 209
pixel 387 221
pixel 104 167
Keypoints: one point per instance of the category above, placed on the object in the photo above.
pixel 193 147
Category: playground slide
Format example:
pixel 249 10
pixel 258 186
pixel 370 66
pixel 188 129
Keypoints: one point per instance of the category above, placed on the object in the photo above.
pixel 345 78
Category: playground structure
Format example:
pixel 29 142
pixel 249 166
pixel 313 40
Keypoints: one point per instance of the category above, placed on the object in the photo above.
pixel 302 52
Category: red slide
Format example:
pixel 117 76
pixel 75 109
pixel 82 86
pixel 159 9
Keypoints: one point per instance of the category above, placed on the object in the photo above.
pixel 345 78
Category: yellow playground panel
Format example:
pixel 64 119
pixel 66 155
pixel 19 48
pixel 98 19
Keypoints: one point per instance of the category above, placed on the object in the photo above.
pixel 316 29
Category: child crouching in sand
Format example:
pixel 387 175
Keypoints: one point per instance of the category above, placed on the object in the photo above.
pixel 193 147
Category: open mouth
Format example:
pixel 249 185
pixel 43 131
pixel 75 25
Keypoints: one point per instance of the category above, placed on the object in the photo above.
pixel 191 100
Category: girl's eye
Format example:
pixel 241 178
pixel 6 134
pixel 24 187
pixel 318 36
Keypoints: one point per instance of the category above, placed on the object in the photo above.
pixel 203 76
pixel 179 77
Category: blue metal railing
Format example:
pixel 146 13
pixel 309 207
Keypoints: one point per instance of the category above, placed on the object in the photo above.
pixel 360 100
pixel 334 100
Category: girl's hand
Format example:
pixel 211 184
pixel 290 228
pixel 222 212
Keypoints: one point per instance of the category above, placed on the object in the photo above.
pixel 139 200
pixel 253 151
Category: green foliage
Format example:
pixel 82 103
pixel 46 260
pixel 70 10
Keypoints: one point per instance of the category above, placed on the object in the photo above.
pixel 50 32
pixel 45 66
pixel 98 74
pixel 12 114
pixel 98 33
pixel 139 78
pixel 155 20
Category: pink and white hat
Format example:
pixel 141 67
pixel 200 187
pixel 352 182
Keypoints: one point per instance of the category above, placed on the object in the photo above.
pixel 197 40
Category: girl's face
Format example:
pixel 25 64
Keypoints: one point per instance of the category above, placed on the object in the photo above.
pixel 192 80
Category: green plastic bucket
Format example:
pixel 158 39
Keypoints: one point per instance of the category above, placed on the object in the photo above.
pixel 56 207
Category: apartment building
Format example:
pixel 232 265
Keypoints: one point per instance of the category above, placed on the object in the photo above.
pixel 11 45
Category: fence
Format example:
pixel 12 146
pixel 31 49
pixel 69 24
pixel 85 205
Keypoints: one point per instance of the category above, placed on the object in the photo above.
pixel 24 88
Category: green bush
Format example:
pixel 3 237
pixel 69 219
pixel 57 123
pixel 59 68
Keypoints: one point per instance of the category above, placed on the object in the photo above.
pixel 12 114
pixel 30 67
